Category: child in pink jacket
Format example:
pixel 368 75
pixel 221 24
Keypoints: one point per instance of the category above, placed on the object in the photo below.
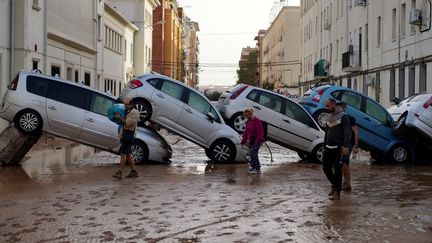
pixel 253 137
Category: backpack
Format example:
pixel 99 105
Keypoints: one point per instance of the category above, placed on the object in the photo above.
pixel 116 108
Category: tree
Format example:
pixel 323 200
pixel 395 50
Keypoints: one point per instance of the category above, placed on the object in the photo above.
pixel 247 73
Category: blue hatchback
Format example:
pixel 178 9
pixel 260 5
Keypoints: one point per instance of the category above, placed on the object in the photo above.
pixel 374 122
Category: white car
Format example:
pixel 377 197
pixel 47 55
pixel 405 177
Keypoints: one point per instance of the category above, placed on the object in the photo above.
pixel 289 124
pixel 413 112
pixel 186 112
pixel 37 103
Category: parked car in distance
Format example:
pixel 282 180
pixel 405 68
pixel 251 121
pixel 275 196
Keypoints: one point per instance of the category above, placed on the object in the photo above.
pixel 289 124
pixel 413 112
pixel 186 112
pixel 38 103
pixel 374 122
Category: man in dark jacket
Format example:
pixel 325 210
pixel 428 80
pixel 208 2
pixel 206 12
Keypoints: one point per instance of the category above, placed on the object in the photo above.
pixel 336 143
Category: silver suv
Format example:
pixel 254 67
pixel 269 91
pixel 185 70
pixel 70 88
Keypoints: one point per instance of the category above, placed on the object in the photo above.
pixel 289 124
pixel 37 103
pixel 183 110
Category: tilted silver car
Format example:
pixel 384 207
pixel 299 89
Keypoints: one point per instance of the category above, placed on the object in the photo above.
pixel 186 112
pixel 37 103
pixel 289 124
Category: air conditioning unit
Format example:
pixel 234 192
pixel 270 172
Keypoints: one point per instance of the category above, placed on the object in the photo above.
pixel 370 80
pixel 360 2
pixel 416 17
pixel 327 25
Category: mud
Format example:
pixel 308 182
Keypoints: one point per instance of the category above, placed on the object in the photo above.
pixel 192 201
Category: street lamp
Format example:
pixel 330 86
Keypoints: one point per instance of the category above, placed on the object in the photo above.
pixel 158 23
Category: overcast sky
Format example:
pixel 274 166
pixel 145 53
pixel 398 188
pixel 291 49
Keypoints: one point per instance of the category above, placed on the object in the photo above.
pixel 226 26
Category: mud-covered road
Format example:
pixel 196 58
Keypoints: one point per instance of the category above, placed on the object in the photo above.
pixel 53 200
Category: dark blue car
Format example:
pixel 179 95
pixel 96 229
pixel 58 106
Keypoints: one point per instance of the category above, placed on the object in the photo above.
pixel 374 122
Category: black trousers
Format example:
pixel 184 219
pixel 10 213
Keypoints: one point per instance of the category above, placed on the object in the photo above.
pixel 333 166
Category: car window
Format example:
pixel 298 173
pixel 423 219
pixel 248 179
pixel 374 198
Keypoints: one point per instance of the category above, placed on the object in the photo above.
pixel 100 104
pixel 376 111
pixel 201 105
pixel 294 111
pixel 336 94
pixel 352 99
pixel 172 89
pixel 253 95
pixel 73 95
pixel 271 101
pixel 154 82
pixel 37 85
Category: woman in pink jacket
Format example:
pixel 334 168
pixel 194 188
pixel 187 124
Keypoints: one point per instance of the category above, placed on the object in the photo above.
pixel 253 137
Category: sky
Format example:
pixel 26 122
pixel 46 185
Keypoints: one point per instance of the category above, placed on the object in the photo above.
pixel 226 27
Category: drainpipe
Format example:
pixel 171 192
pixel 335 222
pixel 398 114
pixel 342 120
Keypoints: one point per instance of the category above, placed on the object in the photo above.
pixel 399 40
pixel 12 40
pixel 45 59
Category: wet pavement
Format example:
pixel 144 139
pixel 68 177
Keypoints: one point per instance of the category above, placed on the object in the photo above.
pixel 50 199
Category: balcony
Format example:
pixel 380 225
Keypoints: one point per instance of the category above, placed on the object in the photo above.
pixel 321 69
pixel 350 62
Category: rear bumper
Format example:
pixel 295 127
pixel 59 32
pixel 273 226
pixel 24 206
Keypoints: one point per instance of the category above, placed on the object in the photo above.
pixel 8 111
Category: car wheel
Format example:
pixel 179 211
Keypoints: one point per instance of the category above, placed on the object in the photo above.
pixel 29 121
pixel 222 151
pixel 401 154
pixel 238 122
pixel 317 154
pixel 321 118
pixel 303 156
pixel 140 152
pixel 144 110
pixel 400 128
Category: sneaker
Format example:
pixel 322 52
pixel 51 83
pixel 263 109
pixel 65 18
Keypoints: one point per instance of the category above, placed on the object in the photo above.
pixel 252 171
pixel 332 191
pixel 335 196
pixel 132 174
pixel 117 175
pixel 346 187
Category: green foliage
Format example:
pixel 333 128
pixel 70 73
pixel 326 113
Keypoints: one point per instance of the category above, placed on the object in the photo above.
pixel 247 72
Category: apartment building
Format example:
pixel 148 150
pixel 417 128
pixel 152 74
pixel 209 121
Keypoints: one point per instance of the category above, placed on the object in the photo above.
pixel 282 61
pixel 191 52
pixel 380 48
pixel 260 57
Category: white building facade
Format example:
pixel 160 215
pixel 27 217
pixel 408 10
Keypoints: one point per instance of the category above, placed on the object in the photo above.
pixel 380 48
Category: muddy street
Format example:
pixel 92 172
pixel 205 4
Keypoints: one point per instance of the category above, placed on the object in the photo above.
pixel 52 199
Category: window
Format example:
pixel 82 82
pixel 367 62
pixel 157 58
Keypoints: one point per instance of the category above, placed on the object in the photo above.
pixel 87 79
pixel 154 82
pixel 271 101
pixel 349 84
pixel 253 95
pixel 198 103
pixel 376 111
pixel 411 83
pixel 392 84
pixel 352 99
pixel 76 76
pixel 378 87
pixel 294 111
pixel 35 64
pixel 69 73
pixel 413 26
pixel 113 40
pixel 423 78
pixel 73 95
pixel 100 104
pixel 172 89
pixel 402 22
pixel 366 37
pixel 37 85
pixel 55 70
pixel 394 24
pixel 401 83
pixel 379 31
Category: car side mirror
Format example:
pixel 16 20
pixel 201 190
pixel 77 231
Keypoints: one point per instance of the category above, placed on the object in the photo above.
pixel 211 117
pixel 396 100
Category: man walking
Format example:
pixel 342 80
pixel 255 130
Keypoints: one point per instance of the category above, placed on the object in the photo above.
pixel 336 142
pixel 127 136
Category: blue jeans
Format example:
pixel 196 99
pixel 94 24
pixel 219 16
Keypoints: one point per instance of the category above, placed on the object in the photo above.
pixel 254 160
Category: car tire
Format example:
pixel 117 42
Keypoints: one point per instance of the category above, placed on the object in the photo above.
pixel 222 151
pixel 320 117
pixel 238 122
pixel 29 122
pixel 144 110
pixel 401 128
pixel 317 154
pixel 401 154
pixel 303 156
pixel 140 152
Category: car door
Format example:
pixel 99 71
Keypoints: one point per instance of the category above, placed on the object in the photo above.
pixel 98 130
pixel 354 109
pixel 194 122
pixel 268 108
pixel 66 108
pixel 297 127
pixel 377 127
pixel 37 87
pixel 168 103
